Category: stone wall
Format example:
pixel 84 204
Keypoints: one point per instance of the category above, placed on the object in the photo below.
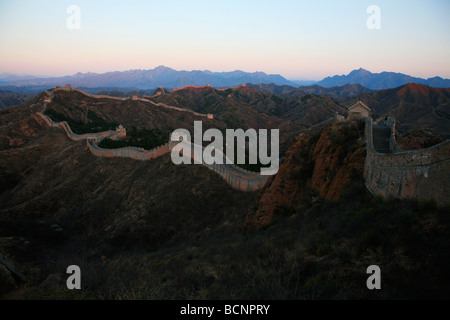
pixel 92 136
pixel 236 177
pixel 48 121
pixel 68 88
pixel 78 137
pixel 390 122
pixel 418 174
pixel 134 98
pixel 128 152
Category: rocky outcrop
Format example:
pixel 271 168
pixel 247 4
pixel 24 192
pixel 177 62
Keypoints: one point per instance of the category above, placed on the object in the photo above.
pixel 317 166
pixel 321 167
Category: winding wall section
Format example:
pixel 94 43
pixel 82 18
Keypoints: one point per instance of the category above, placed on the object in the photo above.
pixel 417 174
pixel 236 177
pixel 159 104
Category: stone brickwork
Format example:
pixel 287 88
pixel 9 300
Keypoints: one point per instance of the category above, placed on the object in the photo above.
pixel 417 174
pixel 127 152
pixel 235 176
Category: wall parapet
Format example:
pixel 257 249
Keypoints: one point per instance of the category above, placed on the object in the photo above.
pixel 237 177
pixel 48 121
pixel 422 174
pixel 127 152
pixel 390 122
pixel 78 137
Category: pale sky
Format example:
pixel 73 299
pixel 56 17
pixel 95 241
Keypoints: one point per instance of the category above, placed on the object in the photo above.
pixel 297 39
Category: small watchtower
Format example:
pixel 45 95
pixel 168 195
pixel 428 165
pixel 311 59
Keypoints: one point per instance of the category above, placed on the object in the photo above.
pixel 121 131
pixel 358 110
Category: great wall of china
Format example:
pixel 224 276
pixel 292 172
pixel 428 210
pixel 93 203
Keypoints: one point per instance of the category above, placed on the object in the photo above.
pixel 390 172
pixel 236 177
pixel 127 152
pixel 134 98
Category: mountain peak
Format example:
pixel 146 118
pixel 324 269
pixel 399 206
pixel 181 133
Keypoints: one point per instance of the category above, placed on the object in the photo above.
pixel 196 89
pixel 414 88
pixel 360 72
pixel 161 67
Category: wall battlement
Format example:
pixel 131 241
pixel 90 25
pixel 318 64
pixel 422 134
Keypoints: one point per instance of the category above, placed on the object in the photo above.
pixel 422 174
pixel 127 152
pixel 235 176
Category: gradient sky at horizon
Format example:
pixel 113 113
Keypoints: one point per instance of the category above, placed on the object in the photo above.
pixel 297 39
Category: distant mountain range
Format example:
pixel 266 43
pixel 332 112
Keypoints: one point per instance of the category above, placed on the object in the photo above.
pixel 383 80
pixel 170 78
pixel 148 79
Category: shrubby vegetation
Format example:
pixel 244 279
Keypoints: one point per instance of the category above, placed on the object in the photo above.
pixel 144 138
pixel 318 253
pixel 94 122
pixel 200 251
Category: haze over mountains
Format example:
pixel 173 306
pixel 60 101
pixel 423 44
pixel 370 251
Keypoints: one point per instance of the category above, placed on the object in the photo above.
pixel 170 78
pixel 160 76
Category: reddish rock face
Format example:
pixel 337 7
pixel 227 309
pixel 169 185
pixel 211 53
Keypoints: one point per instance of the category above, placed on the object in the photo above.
pixel 316 166
pixel 20 131
pixel 417 139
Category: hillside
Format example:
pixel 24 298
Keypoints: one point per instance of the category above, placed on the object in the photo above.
pixel 103 206
pixel 317 166
pixel 129 113
pixel 249 107
pixel 414 106
pixel 11 99
pixel 340 94
pixel 154 230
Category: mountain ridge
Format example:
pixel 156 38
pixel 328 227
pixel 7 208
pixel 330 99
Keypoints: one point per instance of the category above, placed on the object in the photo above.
pixel 379 81
pixel 153 78
pixel 171 78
